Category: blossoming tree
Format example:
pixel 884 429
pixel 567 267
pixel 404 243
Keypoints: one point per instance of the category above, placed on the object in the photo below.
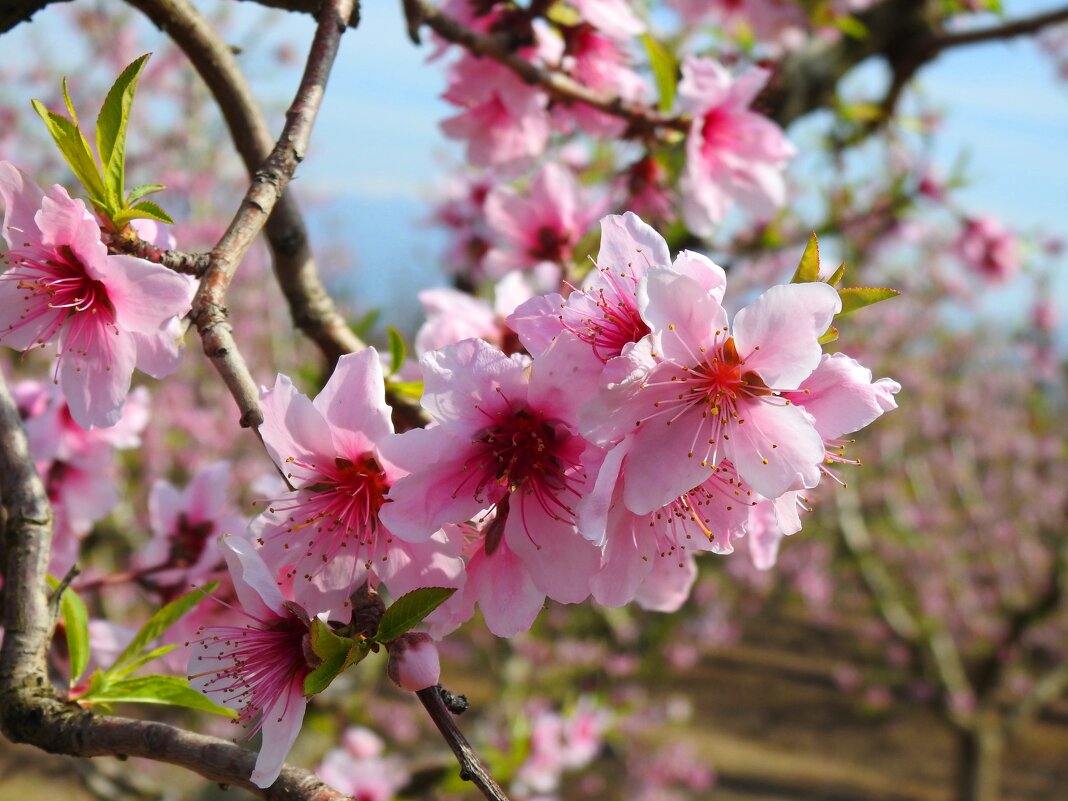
pixel 623 404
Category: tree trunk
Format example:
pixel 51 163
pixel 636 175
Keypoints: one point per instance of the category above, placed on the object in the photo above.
pixel 982 748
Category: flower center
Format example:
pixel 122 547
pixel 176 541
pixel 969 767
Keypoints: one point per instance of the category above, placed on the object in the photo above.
pixel 189 540
pixel 608 319
pixel 550 244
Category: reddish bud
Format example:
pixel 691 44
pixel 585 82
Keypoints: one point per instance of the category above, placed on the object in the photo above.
pixel 413 662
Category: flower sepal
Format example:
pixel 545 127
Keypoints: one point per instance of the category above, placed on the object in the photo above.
pixel 334 654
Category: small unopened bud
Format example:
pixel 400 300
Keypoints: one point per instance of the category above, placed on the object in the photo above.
pixel 413 662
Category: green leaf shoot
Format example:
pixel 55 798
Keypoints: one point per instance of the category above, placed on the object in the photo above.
pixel 409 610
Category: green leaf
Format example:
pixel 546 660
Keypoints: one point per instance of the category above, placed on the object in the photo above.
pixel 363 326
pixel 808 269
pixel 76 625
pixel 665 71
pixel 111 125
pixel 145 658
pixel 75 151
pixel 830 335
pixel 857 297
pixel 338 653
pixel 171 690
pixel 159 623
pixel 406 389
pixel 839 274
pixel 70 105
pixel 563 14
pixel 145 210
pixel 397 350
pixel 410 609
pixel 851 27
pixel 141 191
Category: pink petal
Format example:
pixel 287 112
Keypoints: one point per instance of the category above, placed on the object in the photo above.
pixel 464 384
pixel 665 461
pixel 702 270
pixel 795 460
pixel 292 426
pixel 22 198
pixel 354 400
pixel 842 397
pixel 96 383
pixel 537 322
pixel 145 295
pixel 628 243
pixel 505 591
pixel 164 506
pixel 560 560
pixel 256 588
pixel 281 725
pixel 625 564
pixel 685 314
pixel 668 584
pixel 785 323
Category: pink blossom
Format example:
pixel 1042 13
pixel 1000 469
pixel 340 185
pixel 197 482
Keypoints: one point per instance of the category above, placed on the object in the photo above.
pixel 615 18
pixel 186 525
pixel 601 64
pixel 780 24
pixel 452 315
pixel 503 441
pixel 504 121
pixel 326 534
pixel 732 154
pixel 658 547
pixel 988 248
pixel 109 313
pixel 541 228
pixel 413 662
pixel 707 396
pixel 360 771
pixel 78 465
pixel 257 669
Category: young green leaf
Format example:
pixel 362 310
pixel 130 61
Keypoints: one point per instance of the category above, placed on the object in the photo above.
pixel 159 623
pixel 171 690
pixel 839 274
pixel 665 71
pixel 145 658
pixel 830 335
pixel 70 105
pixel 397 350
pixel 409 610
pixel 857 297
pixel 111 125
pixel 145 210
pixel 808 269
pixel 75 151
pixel 141 191
pixel 338 654
pixel 406 389
pixel 76 626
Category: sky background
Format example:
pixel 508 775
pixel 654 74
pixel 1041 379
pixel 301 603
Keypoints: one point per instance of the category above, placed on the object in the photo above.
pixel 378 155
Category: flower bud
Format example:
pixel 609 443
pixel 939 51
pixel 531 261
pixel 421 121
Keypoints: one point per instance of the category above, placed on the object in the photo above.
pixel 413 662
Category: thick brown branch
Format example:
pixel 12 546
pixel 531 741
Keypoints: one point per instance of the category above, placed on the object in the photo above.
pixel 15 11
pixel 471 769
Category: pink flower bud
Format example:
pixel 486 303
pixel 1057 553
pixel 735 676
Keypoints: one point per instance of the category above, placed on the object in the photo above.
pixel 413 662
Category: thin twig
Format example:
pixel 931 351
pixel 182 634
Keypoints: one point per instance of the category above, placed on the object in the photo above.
pixel 128 242
pixel 1006 30
pixel 471 769
pixel 30 710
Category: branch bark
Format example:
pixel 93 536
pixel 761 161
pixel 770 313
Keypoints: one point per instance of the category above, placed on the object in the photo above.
pixel 471 769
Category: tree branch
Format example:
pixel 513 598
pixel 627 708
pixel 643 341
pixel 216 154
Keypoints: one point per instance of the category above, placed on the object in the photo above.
pixel 471 769
pixel 128 242
pixel 15 11
pixel 1007 30
pixel 642 118
pixel 313 311
pixel 30 710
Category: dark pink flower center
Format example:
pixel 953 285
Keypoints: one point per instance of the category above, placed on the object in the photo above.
pixel 615 321
pixel 188 541
pixel 717 133
pixel 252 666
pixel 521 452
pixel 550 244
pixel 335 506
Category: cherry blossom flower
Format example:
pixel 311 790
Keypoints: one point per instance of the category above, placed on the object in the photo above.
pixel 452 315
pixel 504 121
pixel 359 769
pixel 615 18
pixel 710 396
pixel 601 64
pixel 732 154
pixel 186 524
pixel 326 534
pixel 661 543
pixel 540 229
pixel 109 313
pixel 257 669
pixel 77 465
pixel 988 249
pixel 501 441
